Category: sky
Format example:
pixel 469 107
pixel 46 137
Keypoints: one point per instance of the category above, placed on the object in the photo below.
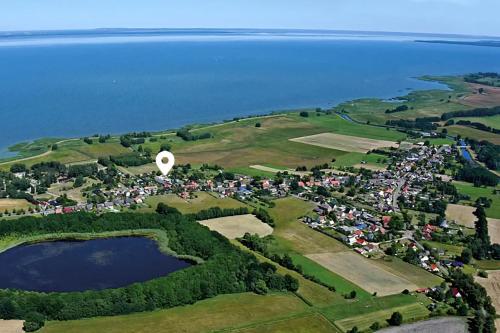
pixel 473 17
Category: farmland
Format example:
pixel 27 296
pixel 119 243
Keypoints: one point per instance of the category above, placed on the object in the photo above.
pixel 204 316
pixel 492 286
pixel 411 312
pixel 475 192
pixel 344 142
pixel 236 226
pixel 362 272
pixel 10 204
pixel 11 326
pixel 461 214
pixel 201 200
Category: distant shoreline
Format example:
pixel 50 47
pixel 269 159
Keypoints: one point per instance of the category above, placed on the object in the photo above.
pixel 129 35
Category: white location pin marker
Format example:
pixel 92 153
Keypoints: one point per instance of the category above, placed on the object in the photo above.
pixel 165 167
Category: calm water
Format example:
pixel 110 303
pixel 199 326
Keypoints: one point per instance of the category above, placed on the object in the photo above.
pixel 76 266
pixel 81 89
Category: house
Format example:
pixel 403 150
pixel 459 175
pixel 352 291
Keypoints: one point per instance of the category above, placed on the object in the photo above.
pixel 456 293
pixel 434 268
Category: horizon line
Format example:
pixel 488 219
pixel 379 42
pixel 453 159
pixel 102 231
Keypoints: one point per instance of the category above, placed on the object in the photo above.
pixel 4 33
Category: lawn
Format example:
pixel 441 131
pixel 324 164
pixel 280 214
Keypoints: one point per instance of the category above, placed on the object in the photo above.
pixel 202 200
pixel 476 192
pixel 221 312
pixel 450 250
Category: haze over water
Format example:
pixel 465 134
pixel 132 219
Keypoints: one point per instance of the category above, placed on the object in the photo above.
pixel 50 89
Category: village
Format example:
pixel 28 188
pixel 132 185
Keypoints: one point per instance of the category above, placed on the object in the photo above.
pixel 362 208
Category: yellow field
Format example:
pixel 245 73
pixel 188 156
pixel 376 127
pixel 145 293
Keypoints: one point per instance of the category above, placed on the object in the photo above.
pixel 492 286
pixel 234 227
pixel 10 204
pixel 363 272
pixel 344 142
pixel 203 200
pixel 464 215
pixel 11 326
pixel 494 230
pixel 461 214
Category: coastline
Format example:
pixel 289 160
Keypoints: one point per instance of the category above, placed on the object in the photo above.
pixel 13 149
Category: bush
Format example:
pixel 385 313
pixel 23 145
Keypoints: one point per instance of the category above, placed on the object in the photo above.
pixel 33 322
pixel 304 114
pixel 483 274
pixel 396 319
pixel 375 326
pixel 258 125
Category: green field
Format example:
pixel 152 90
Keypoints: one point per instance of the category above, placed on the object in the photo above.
pixel 412 312
pixel 493 121
pixel 247 310
pixel 450 250
pixel 476 192
pixel 467 132
pixel 421 103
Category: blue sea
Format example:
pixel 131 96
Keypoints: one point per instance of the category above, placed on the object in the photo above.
pixel 70 86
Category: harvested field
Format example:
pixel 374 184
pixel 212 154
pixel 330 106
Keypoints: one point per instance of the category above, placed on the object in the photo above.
pixel 494 230
pixel 490 96
pixel 363 273
pixel 236 226
pixel 344 142
pixel 461 214
pixel 492 286
pixel 11 204
pixel 274 170
pixel 11 326
pixel 202 200
pixel 371 167
pixel 438 325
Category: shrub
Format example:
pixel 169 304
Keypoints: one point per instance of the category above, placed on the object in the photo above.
pixel 396 319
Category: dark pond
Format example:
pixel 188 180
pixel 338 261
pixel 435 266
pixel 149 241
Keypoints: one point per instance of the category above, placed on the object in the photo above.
pixel 84 265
